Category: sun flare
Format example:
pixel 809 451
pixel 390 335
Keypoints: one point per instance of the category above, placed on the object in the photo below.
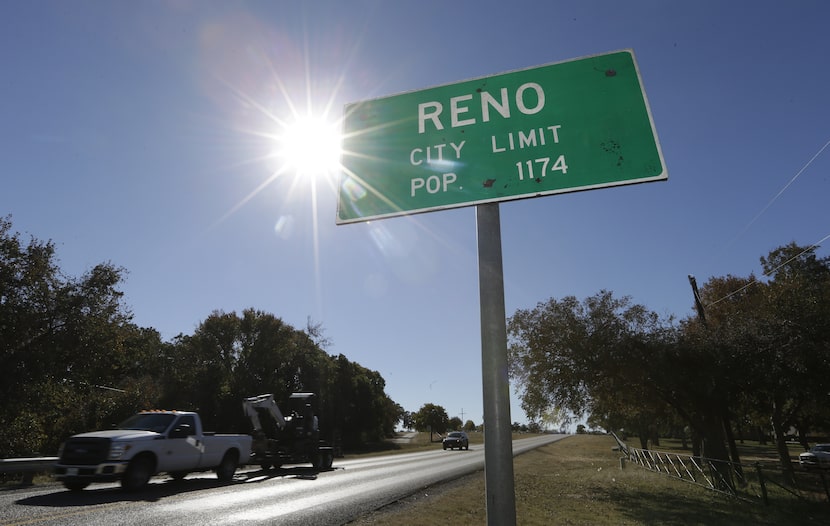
pixel 310 146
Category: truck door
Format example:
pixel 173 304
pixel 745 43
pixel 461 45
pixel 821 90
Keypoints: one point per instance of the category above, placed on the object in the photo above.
pixel 183 448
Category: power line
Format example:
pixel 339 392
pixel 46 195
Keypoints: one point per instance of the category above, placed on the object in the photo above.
pixel 772 271
pixel 763 210
pixel 775 198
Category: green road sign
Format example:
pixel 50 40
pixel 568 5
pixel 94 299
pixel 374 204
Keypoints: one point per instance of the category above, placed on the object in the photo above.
pixel 562 127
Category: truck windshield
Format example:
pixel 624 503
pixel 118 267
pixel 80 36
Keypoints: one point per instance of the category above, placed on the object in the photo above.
pixel 157 423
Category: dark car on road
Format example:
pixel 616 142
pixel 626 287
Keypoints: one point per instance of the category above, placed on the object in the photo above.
pixel 456 439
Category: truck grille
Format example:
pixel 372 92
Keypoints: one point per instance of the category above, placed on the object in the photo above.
pixel 85 451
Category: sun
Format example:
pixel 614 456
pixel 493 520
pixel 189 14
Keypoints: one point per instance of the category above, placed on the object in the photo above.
pixel 309 145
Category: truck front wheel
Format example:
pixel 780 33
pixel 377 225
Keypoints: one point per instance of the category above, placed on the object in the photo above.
pixel 138 473
pixel 227 468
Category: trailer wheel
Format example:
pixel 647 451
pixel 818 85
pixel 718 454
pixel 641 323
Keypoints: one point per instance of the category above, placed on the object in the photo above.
pixel 322 460
pixel 227 468
pixel 138 473
pixel 75 484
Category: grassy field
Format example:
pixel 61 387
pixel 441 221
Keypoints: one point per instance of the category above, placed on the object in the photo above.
pixel 578 480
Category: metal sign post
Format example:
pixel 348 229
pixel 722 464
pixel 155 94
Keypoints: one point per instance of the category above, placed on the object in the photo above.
pixel 498 450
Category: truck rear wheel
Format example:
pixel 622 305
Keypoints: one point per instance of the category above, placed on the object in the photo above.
pixel 138 473
pixel 227 468
pixel 75 484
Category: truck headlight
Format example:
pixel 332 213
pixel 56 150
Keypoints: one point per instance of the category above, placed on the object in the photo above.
pixel 118 450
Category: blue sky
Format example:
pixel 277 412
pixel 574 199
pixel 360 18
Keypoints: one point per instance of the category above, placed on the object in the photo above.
pixel 138 133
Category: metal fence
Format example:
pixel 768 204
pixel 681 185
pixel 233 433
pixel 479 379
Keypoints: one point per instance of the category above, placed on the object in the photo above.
pixel 755 483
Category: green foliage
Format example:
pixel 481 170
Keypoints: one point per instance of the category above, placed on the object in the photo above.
pixel 256 353
pixel 432 418
pixel 63 345
pixel 71 360
pixel 773 341
pixel 361 411
pixel 407 420
pixel 571 357
pixel 761 357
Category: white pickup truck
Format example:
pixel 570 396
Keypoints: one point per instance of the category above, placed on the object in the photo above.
pixel 148 443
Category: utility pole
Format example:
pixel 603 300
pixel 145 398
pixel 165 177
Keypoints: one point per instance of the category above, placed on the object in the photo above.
pixel 726 428
pixel 698 304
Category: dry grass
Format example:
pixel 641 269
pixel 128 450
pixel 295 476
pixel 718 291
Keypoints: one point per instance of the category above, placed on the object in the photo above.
pixel 579 481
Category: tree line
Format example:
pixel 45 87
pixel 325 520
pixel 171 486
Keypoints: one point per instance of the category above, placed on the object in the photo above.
pixel 72 360
pixel 433 418
pixel 754 361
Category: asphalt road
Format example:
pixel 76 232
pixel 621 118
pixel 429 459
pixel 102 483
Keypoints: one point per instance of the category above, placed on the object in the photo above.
pixel 287 497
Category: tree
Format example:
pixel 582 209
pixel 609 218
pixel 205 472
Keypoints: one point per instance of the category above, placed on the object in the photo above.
pixel 395 414
pixel 778 330
pixel 363 412
pixel 798 337
pixel 65 346
pixel 257 353
pixel 762 356
pixel 71 360
pixel 534 427
pixel 574 358
pixel 431 417
pixel 407 420
pixel 606 356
